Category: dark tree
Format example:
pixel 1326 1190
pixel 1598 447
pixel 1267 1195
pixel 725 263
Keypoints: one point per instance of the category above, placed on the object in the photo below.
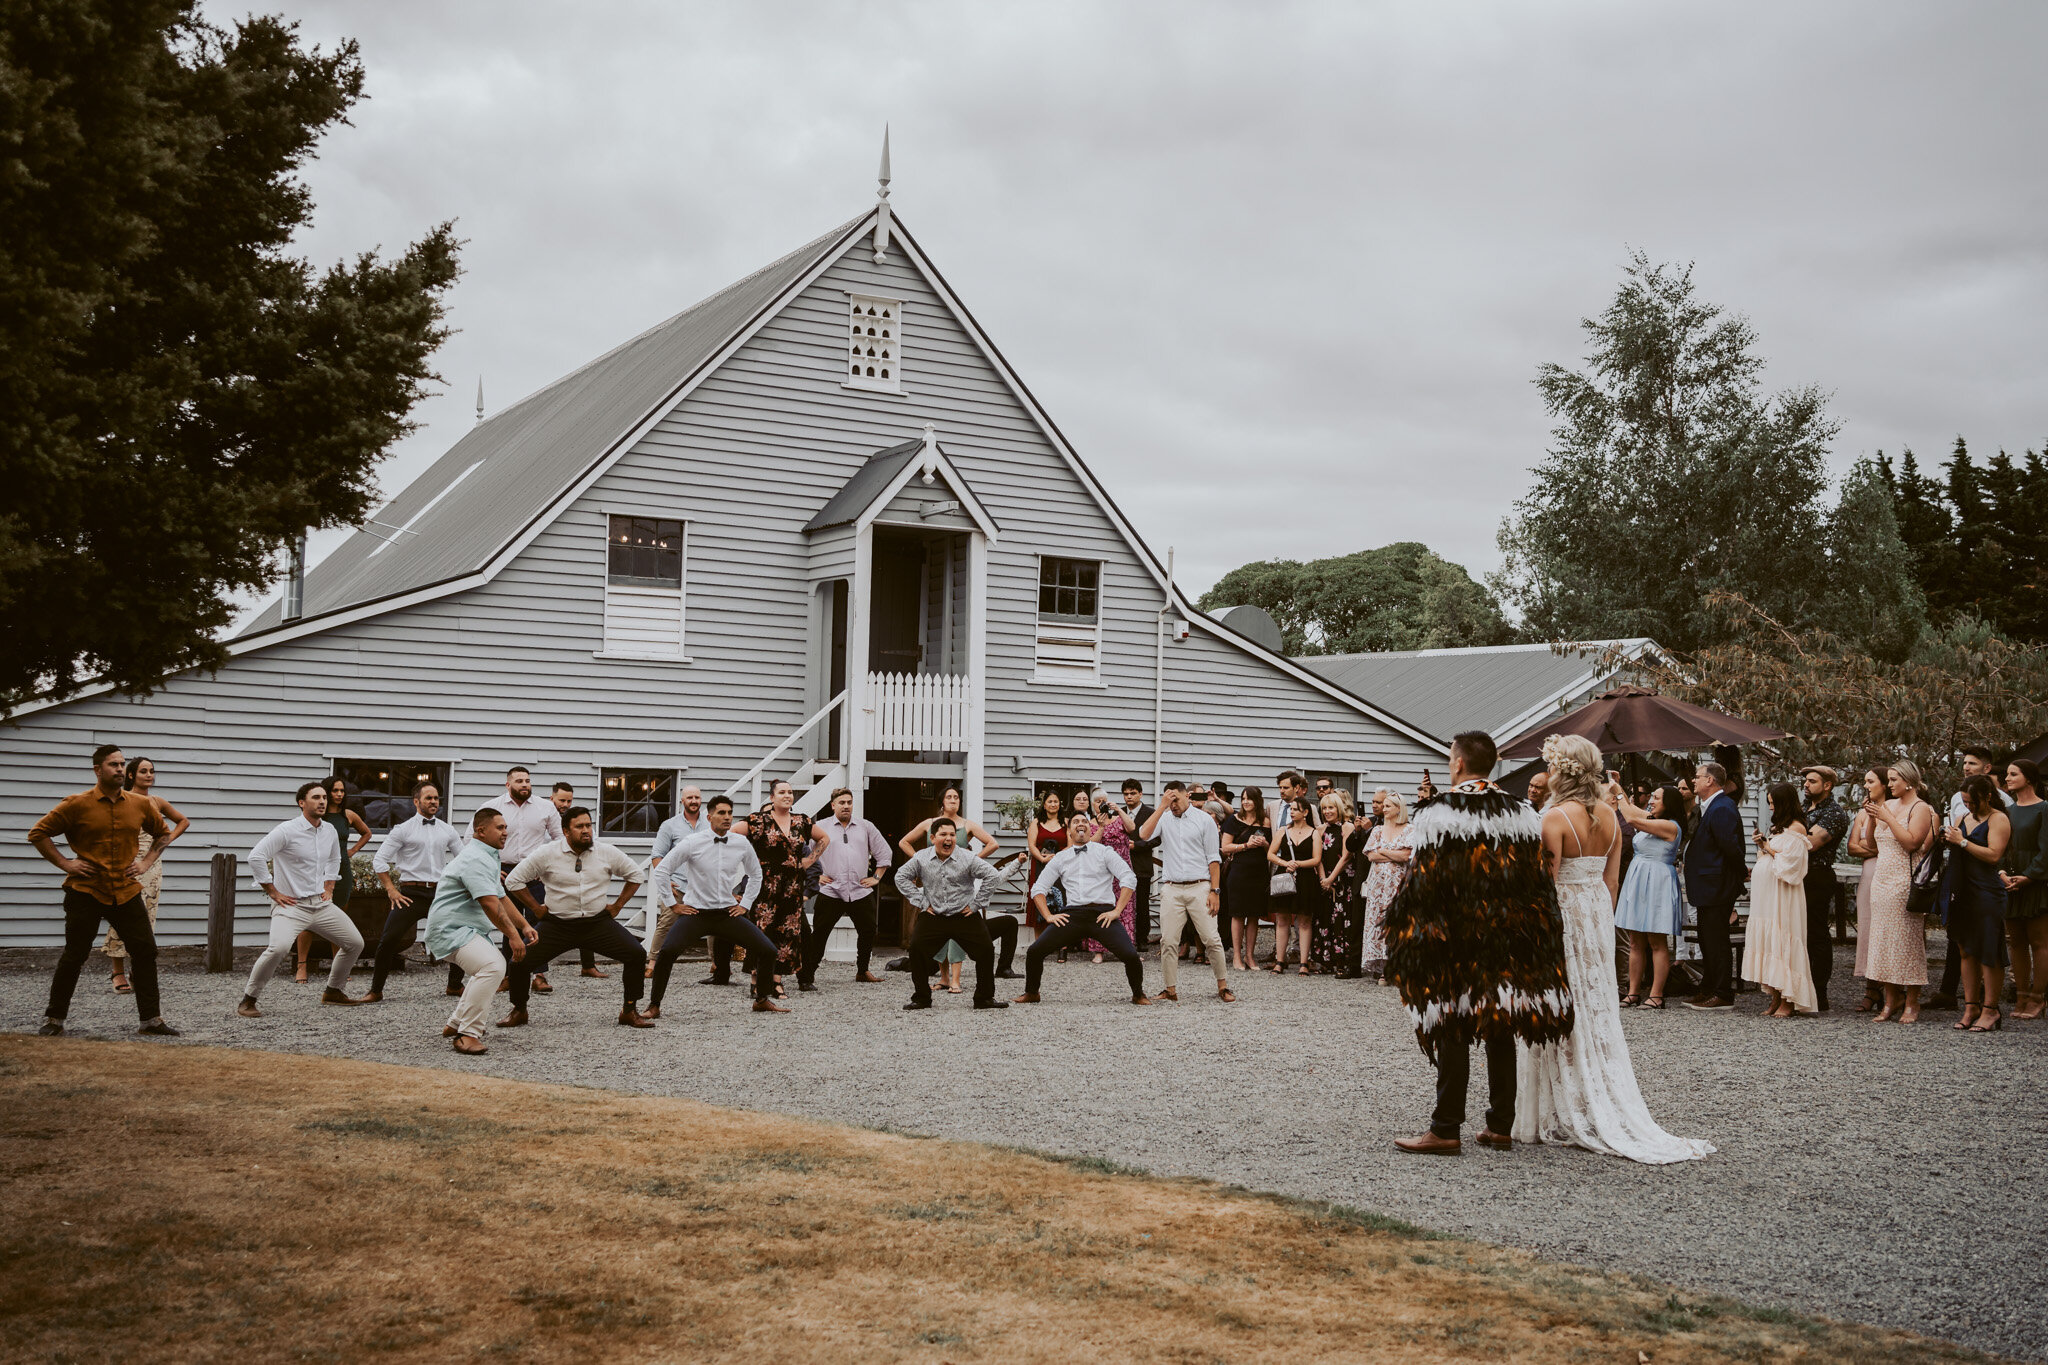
pixel 1400 596
pixel 1977 537
pixel 180 396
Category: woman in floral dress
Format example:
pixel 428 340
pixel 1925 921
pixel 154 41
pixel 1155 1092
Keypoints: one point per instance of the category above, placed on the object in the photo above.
pixel 1334 925
pixel 1113 826
pixel 1386 855
pixel 782 840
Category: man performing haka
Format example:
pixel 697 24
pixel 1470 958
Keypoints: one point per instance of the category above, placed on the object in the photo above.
pixel 468 904
pixel 711 865
pixel 949 886
pixel 853 858
pixel 577 872
pixel 418 850
pixel 1097 883
pixel 297 864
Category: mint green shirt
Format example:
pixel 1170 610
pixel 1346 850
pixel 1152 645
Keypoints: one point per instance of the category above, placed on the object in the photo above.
pixel 457 915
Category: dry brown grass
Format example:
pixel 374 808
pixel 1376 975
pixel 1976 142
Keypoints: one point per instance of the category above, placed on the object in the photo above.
pixel 182 1203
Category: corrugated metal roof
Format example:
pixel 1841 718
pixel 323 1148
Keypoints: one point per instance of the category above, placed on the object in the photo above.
pixel 1488 688
pixel 865 486
pixel 476 499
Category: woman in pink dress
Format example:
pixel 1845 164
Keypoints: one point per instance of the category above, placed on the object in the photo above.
pixel 1903 829
pixel 1114 827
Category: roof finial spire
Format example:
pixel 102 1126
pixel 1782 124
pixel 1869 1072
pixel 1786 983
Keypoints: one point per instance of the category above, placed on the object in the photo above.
pixel 479 398
pixel 882 202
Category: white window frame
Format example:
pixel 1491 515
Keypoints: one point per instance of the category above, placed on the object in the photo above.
pixel 875 383
pixel 605 649
pixel 1066 635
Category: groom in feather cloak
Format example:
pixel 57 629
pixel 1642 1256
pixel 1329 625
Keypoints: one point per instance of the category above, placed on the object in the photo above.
pixel 1475 943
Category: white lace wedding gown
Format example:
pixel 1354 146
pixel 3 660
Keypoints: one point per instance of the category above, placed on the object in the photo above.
pixel 1582 1091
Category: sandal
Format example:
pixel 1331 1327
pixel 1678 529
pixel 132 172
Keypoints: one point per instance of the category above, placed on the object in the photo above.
pixel 1655 1002
pixel 121 986
pixel 1965 1018
pixel 1997 1020
pixel 1631 1000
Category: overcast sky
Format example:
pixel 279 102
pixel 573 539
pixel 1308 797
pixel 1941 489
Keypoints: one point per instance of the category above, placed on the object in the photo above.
pixel 1282 273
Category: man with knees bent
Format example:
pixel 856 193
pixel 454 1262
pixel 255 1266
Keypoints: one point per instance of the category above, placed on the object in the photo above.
pixel 1097 883
pixel 469 902
pixel 710 866
pixel 297 864
pixel 577 872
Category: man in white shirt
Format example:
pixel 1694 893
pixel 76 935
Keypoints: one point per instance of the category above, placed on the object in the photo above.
pixel 530 824
pixel 691 819
pixel 416 850
pixel 1191 873
pixel 563 796
pixel 710 865
pixel 297 864
pixel 1097 884
pixel 853 857
pixel 578 873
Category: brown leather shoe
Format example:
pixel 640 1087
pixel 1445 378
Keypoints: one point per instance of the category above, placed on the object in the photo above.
pixel 457 990
pixel 331 996
pixel 632 1018
pixel 470 1047
pixel 1028 998
pixel 515 1019
pixel 769 1007
pixel 1429 1144
pixel 505 985
pixel 869 978
pixel 541 983
pixel 449 1030
pixel 1226 995
pixel 598 972
pixel 1169 993
pixel 1500 1141
pixel 651 1012
pixel 247 1009
pixel 371 998
pixel 1141 999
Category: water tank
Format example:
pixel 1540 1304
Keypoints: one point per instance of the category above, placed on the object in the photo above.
pixel 1253 624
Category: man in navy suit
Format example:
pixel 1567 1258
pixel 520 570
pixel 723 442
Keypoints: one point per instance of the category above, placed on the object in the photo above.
pixel 1715 870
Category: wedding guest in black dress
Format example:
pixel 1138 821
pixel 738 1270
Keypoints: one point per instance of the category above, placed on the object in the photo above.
pixel 1336 923
pixel 1246 874
pixel 1976 902
pixel 1295 855
pixel 782 841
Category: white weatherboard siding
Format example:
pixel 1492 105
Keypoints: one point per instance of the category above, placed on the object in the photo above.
pixel 509 672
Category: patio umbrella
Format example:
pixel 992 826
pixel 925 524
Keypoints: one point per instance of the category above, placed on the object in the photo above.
pixel 1635 720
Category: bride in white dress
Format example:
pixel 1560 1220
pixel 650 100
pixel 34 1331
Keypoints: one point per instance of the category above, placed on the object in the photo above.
pixel 1582 1091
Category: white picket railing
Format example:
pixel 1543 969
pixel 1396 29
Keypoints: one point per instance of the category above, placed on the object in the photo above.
pixel 917 711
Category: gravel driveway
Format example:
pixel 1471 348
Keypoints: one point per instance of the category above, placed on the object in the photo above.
pixel 1884 1174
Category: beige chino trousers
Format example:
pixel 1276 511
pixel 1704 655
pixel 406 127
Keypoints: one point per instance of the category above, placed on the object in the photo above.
pixel 1180 902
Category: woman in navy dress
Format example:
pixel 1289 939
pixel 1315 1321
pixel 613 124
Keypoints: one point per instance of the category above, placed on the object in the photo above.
pixel 1976 902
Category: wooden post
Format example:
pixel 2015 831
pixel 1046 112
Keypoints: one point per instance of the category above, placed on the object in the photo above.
pixel 220 914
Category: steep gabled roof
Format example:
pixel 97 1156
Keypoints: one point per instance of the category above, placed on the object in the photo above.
pixel 512 467
pixel 1501 689
pixel 885 474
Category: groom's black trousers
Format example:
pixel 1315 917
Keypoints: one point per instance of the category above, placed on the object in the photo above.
pixel 1454 1077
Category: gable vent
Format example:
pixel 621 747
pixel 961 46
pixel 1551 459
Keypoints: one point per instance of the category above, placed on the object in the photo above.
pixel 874 351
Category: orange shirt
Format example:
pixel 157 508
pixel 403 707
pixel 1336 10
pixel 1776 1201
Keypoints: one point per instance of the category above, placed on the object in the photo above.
pixel 104 832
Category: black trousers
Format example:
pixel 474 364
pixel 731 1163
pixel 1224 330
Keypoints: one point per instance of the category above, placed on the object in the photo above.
pixel 400 927
pixel 1820 927
pixel 539 891
pixel 1951 971
pixel 1081 924
pixel 1717 956
pixel 592 934
pixel 968 930
pixel 1002 929
pixel 721 927
pixel 825 917
pixel 1141 922
pixel 1454 1078
pixel 82 916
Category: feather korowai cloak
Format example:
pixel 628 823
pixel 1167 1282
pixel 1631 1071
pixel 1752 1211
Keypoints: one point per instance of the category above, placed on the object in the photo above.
pixel 1475 941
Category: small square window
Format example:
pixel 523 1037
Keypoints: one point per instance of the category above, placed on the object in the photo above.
pixel 380 789
pixel 874 343
pixel 645 552
pixel 1068 589
pixel 635 801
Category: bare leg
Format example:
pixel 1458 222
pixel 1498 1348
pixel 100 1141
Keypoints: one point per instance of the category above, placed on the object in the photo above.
pixel 1660 966
pixel 1894 1002
pixel 305 946
pixel 1971 984
pixel 1990 990
pixel 2031 945
pixel 1304 924
pixel 1911 1015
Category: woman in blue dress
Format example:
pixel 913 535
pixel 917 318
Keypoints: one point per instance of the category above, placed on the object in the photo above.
pixel 1650 906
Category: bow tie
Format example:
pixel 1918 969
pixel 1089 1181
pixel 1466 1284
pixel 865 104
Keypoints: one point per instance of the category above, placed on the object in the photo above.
pixel 426 819
pixel 718 838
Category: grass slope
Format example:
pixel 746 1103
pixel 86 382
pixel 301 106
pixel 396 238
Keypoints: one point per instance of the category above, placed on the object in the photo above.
pixel 185 1203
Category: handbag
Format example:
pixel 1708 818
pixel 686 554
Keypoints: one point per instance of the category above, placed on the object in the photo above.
pixel 1283 882
pixel 1925 888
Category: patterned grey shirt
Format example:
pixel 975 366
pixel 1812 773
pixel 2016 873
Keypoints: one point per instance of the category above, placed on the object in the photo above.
pixel 946 886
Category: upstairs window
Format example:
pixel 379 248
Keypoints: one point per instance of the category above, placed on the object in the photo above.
pixel 874 344
pixel 643 594
pixel 1069 622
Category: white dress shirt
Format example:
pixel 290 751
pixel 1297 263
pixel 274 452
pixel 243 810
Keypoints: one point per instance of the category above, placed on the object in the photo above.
pixel 1091 873
pixel 299 858
pixel 1188 843
pixel 673 831
pixel 710 866
pixel 529 826
pixel 579 884
pixel 417 850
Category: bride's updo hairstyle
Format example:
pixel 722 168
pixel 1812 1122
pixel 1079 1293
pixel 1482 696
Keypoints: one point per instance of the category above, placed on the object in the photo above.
pixel 1575 772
